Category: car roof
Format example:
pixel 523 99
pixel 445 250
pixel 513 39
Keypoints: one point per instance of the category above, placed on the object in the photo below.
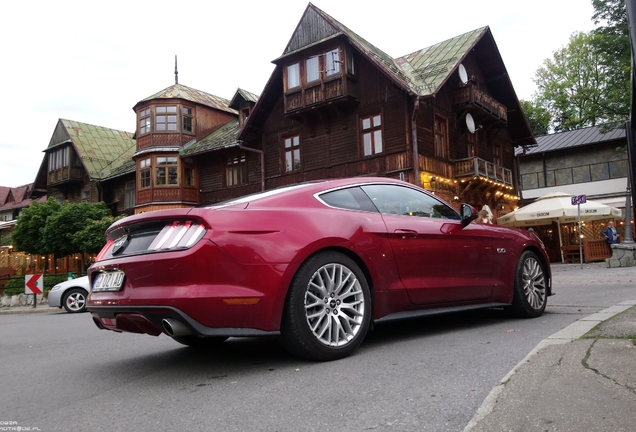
pixel 306 189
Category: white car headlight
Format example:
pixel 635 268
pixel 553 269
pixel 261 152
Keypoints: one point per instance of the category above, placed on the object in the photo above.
pixel 56 287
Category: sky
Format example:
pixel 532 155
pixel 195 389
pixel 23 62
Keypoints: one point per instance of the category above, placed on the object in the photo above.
pixel 93 61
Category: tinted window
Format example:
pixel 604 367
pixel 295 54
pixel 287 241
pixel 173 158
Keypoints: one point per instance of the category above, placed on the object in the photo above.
pixel 400 200
pixel 350 198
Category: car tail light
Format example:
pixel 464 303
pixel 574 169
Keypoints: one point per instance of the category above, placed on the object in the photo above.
pixel 105 249
pixel 152 236
pixel 178 235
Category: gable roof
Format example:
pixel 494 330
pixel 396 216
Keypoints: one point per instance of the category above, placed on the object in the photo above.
pixel 569 139
pixel 101 150
pixel 242 94
pixel 179 91
pixel 422 72
pixel 21 197
pixel 223 137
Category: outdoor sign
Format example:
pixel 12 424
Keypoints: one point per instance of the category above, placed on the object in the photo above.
pixel 578 199
pixel 33 284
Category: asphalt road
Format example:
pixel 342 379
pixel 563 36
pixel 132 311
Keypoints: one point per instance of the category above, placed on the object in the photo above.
pixel 60 373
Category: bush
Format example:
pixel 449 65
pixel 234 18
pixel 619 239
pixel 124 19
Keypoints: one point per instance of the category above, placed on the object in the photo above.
pixel 15 286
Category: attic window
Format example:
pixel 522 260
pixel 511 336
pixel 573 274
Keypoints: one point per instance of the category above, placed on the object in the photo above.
pixel 245 113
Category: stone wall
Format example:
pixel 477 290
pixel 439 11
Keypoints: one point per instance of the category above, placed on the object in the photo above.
pixel 21 300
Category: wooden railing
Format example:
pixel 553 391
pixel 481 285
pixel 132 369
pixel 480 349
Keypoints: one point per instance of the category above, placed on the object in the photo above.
pixel 474 96
pixel 477 167
pixel 593 250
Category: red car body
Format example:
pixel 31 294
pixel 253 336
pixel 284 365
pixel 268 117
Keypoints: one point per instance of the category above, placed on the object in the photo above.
pixel 226 270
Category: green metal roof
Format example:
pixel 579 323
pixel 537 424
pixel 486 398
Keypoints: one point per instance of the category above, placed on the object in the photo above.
pixel 223 137
pixel 429 68
pixel 102 150
pixel 245 95
pixel 179 91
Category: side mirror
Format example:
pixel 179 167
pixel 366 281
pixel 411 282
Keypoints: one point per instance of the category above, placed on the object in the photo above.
pixel 468 213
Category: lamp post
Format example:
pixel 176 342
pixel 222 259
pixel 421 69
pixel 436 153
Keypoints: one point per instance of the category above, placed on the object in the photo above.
pixel 628 192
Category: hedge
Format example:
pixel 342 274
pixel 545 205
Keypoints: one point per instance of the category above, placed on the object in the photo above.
pixel 15 286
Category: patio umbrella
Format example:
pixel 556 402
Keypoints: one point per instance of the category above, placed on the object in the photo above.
pixel 557 207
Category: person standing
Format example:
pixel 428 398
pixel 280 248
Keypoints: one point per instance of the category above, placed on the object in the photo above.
pixel 483 217
pixel 610 233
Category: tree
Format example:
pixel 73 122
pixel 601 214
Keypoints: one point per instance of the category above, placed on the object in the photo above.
pixel 571 85
pixel 538 117
pixel 28 235
pixel 91 238
pixel 62 228
pixel 612 44
pixel 587 82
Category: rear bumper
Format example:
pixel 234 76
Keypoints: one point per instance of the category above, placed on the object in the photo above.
pixel 150 320
pixel 204 287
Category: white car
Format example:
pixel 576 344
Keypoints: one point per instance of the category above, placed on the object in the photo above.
pixel 70 294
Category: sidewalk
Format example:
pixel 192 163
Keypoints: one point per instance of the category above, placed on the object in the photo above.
pixel 580 378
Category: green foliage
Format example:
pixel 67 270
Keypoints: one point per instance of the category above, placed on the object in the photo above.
pixel 570 85
pixel 538 117
pixel 587 82
pixel 613 47
pixel 62 228
pixel 90 238
pixel 15 286
pixel 28 234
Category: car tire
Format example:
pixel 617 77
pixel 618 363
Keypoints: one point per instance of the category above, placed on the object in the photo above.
pixel 328 308
pixel 200 342
pixel 74 300
pixel 530 295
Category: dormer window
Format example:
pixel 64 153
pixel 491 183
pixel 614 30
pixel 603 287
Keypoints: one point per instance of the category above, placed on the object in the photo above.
pixel 244 115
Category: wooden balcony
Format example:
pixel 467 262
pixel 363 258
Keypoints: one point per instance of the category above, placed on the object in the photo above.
pixel 477 167
pixel 66 174
pixel 341 90
pixel 472 96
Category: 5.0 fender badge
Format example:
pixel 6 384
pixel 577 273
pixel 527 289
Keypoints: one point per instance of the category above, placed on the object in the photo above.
pixel 118 245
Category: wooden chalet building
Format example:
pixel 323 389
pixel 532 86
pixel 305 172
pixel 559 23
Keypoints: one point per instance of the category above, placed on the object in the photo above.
pixel 79 157
pixel 445 117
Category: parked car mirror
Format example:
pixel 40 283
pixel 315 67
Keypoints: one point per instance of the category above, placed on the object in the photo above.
pixel 468 213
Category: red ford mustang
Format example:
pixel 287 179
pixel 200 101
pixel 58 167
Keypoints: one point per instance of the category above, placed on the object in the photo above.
pixel 314 262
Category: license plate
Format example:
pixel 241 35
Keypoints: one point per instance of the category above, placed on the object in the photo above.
pixel 109 281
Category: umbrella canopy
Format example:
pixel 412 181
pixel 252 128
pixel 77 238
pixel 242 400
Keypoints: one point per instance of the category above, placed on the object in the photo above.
pixel 557 207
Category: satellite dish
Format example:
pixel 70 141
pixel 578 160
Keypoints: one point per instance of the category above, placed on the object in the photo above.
pixel 470 123
pixel 463 75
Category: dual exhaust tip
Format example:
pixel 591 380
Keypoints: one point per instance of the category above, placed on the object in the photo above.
pixel 175 328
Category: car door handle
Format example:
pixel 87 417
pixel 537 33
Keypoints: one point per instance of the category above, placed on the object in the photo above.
pixel 406 233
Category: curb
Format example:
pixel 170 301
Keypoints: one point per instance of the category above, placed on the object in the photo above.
pixel 573 331
pixel 23 310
